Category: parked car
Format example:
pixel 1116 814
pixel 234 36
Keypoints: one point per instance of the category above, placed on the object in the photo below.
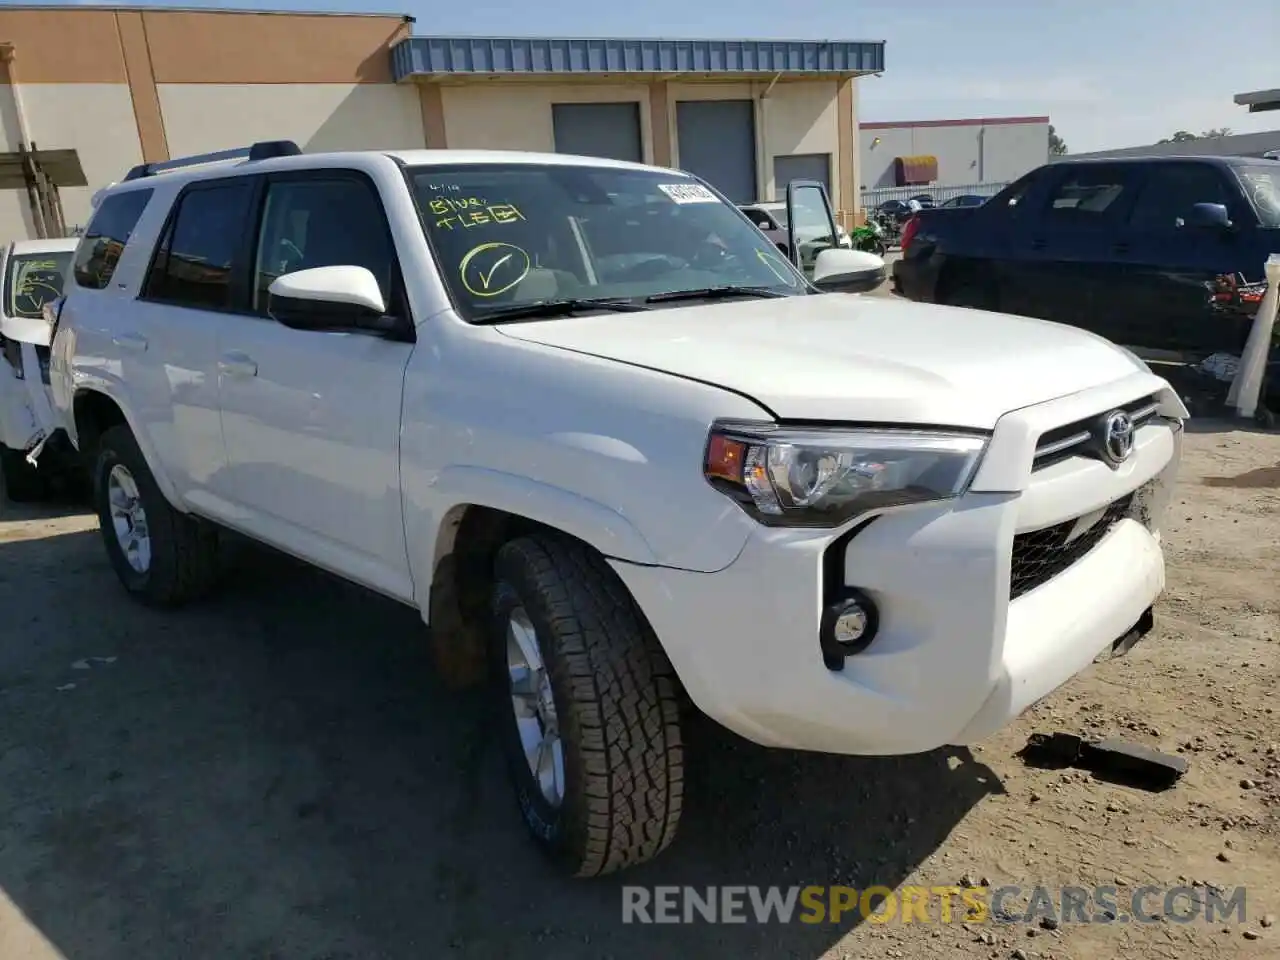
pixel 1161 253
pixel 925 200
pixel 964 200
pixel 771 217
pixel 32 273
pixel 849 524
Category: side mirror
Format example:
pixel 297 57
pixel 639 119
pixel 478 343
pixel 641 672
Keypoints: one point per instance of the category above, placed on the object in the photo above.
pixel 1208 216
pixel 328 298
pixel 841 270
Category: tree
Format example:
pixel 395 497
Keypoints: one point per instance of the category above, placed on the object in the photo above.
pixel 1057 146
pixel 1183 136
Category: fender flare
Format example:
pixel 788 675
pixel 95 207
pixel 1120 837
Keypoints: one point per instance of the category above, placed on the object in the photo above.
pixel 590 521
pixel 144 443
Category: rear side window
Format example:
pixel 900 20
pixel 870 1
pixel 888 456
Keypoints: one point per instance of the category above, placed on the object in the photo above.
pixel 105 237
pixel 194 261
pixel 1090 194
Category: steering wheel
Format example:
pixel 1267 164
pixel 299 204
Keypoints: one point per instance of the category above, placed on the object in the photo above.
pixel 649 269
pixel 712 257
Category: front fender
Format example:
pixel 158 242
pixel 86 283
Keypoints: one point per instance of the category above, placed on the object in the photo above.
pixel 590 521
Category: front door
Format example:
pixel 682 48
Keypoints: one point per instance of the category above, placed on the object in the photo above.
pixel 312 419
pixel 1168 291
pixel 810 225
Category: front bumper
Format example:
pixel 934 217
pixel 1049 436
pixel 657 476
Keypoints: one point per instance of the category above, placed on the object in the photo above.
pixel 954 659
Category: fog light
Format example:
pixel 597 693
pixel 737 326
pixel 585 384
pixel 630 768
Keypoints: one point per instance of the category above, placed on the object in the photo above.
pixel 848 627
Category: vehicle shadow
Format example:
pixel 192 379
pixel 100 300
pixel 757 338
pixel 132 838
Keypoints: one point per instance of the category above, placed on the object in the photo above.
pixel 277 773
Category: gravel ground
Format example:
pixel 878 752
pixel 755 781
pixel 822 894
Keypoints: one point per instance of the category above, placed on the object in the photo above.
pixel 277 774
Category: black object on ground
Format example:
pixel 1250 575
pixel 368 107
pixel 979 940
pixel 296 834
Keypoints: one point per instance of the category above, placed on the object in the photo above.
pixel 1117 761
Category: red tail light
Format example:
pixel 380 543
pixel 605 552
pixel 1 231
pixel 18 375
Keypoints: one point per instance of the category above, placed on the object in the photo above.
pixel 909 232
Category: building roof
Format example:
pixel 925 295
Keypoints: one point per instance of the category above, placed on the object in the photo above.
pixel 179 8
pixel 1240 145
pixel 1259 100
pixel 524 56
pixel 967 122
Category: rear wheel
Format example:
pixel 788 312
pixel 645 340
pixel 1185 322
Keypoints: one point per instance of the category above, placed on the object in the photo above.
pixel 163 557
pixel 23 481
pixel 587 708
pixel 969 289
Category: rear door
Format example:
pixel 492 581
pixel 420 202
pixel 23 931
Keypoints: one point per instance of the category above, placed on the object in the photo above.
pixel 1070 246
pixel 167 338
pixel 1163 297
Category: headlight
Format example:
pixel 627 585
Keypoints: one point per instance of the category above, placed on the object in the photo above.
pixel 822 477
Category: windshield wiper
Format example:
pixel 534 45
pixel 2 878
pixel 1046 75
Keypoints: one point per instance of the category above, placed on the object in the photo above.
pixel 555 308
pixel 712 293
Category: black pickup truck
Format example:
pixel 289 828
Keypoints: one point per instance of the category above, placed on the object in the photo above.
pixel 1161 253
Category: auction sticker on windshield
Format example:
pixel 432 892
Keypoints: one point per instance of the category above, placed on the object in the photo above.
pixel 688 193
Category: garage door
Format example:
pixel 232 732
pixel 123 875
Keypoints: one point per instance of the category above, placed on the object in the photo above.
pixel 801 166
pixel 717 141
pixel 609 130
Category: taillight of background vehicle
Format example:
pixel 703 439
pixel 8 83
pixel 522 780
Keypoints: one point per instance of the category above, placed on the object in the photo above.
pixel 909 232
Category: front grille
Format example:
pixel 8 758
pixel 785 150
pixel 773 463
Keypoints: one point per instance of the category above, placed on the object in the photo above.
pixel 1040 555
pixel 1083 438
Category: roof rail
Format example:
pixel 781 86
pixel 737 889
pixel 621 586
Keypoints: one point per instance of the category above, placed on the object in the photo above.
pixel 262 150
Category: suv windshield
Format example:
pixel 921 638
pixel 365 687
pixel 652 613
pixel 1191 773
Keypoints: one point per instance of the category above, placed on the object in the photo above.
pixel 508 235
pixel 1261 183
pixel 33 279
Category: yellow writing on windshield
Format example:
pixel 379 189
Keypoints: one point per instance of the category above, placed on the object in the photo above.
pixel 472 212
pixel 492 268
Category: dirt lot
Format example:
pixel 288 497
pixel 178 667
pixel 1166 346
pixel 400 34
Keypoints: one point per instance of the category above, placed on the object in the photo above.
pixel 278 775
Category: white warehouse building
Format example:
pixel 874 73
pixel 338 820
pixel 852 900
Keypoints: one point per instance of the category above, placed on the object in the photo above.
pixel 972 151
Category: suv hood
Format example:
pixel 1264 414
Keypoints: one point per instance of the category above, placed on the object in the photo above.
pixel 841 357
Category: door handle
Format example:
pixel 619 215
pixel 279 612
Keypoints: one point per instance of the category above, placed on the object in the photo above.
pixel 133 342
pixel 1120 248
pixel 1039 243
pixel 237 365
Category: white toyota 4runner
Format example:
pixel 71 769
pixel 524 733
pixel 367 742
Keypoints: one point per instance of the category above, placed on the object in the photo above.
pixel 585 418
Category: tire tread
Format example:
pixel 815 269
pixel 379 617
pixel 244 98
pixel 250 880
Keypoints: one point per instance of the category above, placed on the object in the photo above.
pixel 624 706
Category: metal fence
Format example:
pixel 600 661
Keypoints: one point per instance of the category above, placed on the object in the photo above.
pixel 870 199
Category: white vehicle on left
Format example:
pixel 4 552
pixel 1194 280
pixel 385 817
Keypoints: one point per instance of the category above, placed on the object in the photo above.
pixel 32 450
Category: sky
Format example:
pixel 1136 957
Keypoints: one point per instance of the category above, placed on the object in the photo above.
pixel 1109 74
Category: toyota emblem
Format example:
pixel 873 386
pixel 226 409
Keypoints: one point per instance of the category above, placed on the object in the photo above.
pixel 1117 437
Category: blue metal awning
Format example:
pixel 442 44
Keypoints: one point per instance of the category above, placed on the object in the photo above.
pixel 427 56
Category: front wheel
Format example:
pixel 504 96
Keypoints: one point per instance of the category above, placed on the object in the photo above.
pixel 587 708
pixel 163 557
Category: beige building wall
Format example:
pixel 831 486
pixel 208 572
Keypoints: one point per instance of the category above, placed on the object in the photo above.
pixel 793 117
pixel 129 85
pixel 94 118
pixel 514 115
pixel 203 117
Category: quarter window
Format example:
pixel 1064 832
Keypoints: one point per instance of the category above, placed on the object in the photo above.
pixel 321 223
pixel 193 265
pixel 105 237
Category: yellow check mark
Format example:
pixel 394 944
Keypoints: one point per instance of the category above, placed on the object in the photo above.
pixel 485 278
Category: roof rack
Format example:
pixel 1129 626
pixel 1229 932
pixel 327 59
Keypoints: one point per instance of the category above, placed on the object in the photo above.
pixel 262 150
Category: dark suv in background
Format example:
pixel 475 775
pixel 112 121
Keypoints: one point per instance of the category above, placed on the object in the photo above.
pixel 1161 253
